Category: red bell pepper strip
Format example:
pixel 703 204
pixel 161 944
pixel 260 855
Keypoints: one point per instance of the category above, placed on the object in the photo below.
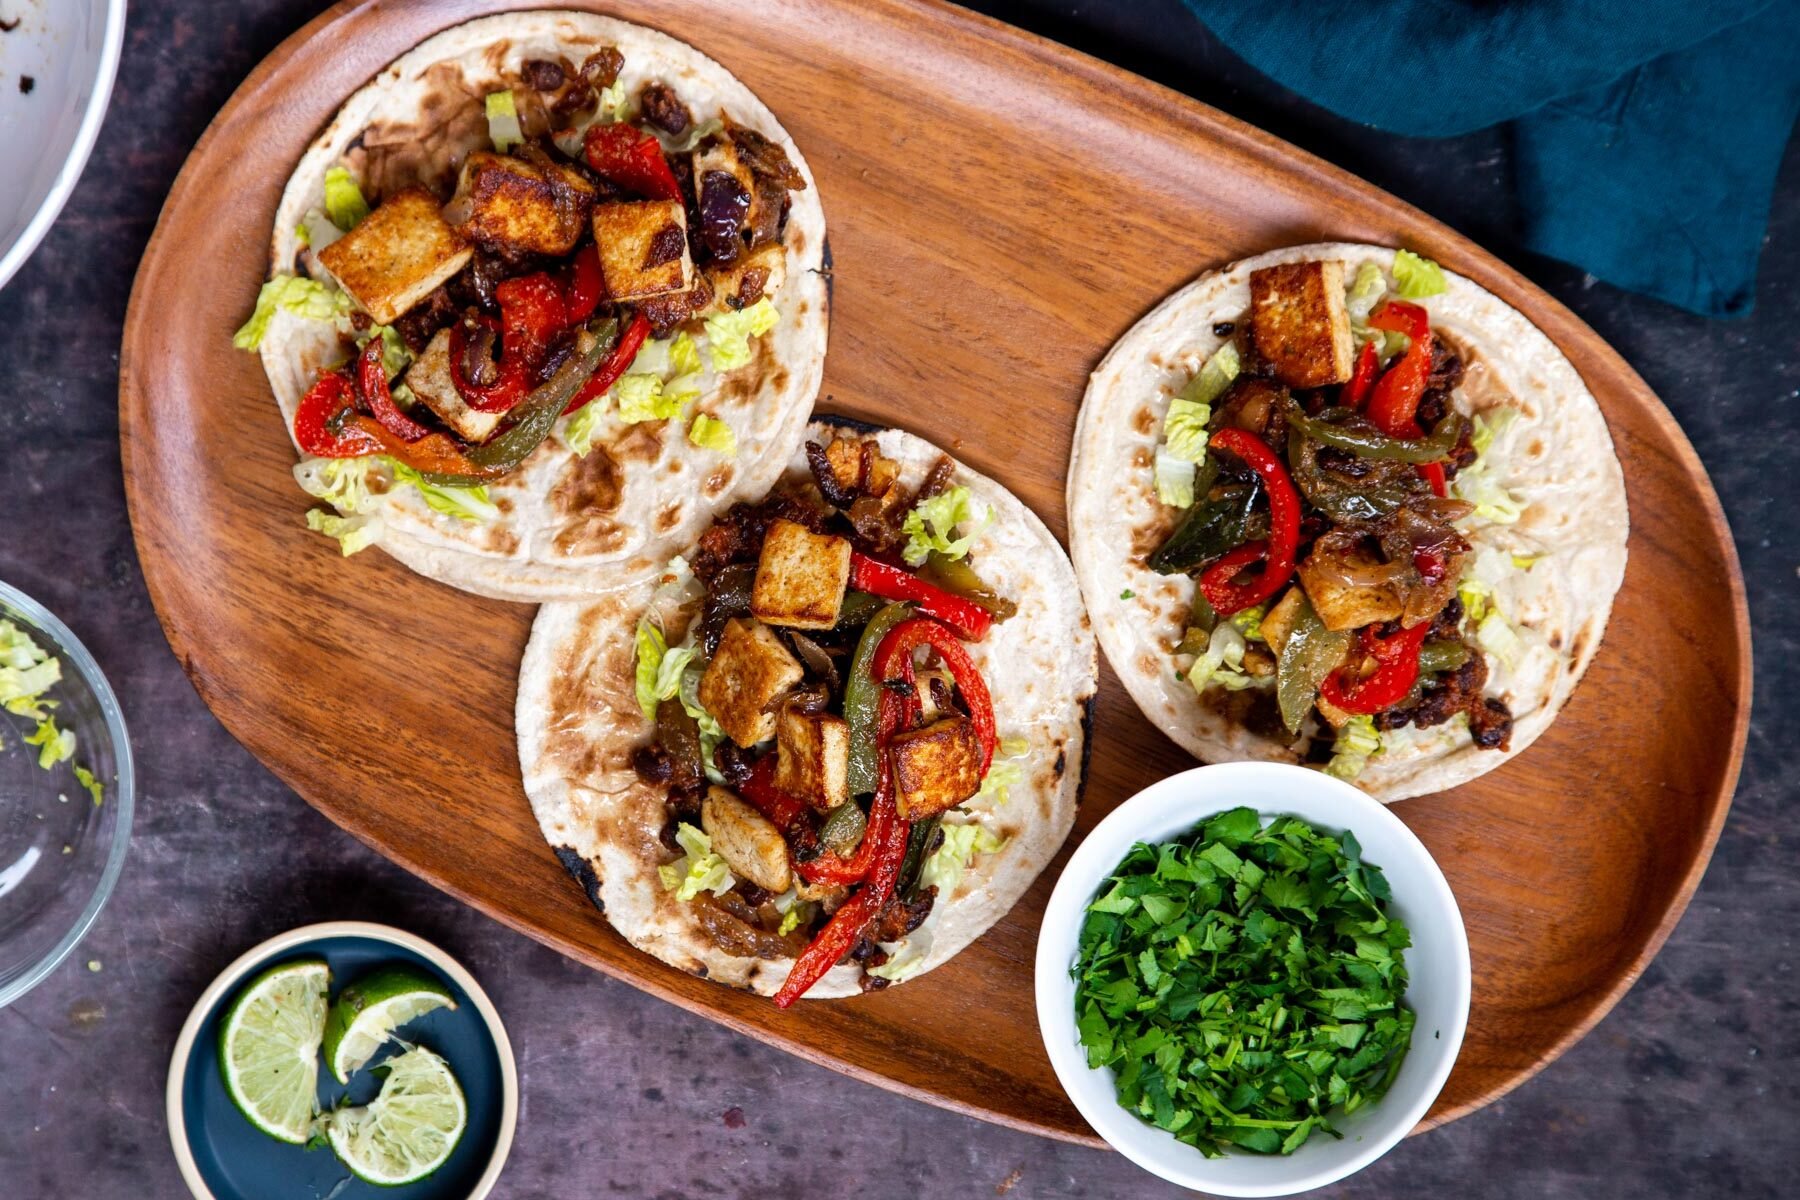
pixel 1397 669
pixel 1218 583
pixel 848 923
pixel 1395 404
pixel 499 396
pixel 532 313
pixel 632 159
pixel 892 583
pixel 584 287
pixel 372 382
pixel 893 660
pixel 1356 392
pixel 324 423
pixel 1433 473
pixel 783 808
pixel 608 372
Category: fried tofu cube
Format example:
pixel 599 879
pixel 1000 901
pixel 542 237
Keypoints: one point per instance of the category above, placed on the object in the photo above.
pixel 520 205
pixel 935 768
pixel 430 380
pixel 801 577
pixel 749 671
pixel 748 841
pixel 1342 604
pixel 643 248
pixel 813 757
pixel 398 255
pixel 1301 327
pixel 755 275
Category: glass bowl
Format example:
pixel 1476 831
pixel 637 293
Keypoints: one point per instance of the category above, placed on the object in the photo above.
pixel 60 851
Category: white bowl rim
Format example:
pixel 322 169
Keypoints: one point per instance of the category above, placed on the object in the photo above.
pixel 244 963
pixel 124 797
pixel 85 136
pixel 1096 857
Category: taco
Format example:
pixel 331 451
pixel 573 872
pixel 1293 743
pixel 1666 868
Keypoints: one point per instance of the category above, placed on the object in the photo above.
pixel 545 297
pixel 832 744
pixel 1336 505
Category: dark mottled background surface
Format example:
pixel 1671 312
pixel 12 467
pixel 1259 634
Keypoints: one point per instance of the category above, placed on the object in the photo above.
pixel 1688 1089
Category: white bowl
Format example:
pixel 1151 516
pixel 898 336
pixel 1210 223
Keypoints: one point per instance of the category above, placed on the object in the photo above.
pixel 70 50
pixel 1437 963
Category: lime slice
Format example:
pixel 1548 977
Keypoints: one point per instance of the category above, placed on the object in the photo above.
pixel 269 1048
pixel 410 1129
pixel 368 1011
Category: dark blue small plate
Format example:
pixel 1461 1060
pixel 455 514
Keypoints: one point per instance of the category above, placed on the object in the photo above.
pixel 223 1157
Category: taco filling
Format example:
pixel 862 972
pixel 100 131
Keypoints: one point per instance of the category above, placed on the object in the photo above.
pixel 1331 473
pixel 820 721
pixel 607 261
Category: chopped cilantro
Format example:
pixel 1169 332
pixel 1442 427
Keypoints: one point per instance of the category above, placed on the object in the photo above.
pixel 1244 983
pixel 1127 594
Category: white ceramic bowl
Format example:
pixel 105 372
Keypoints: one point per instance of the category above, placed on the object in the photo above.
pixel 1437 963
pixel 70 51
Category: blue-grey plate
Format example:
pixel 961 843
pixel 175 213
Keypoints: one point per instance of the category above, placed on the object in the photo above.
pixel 223 1157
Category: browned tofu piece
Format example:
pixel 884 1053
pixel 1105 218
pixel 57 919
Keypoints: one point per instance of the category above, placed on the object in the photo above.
pixel 813 757
pixel 1278 622
pixel 1301 328
pixel 398 255
pixel 1343 605
pixel 718 154
pixel 430 380
pixel 748 841
pixel 643 248
pixel 515 204
pixel 800 578
pixel 755 275
pixel 749 671
pixel 935 768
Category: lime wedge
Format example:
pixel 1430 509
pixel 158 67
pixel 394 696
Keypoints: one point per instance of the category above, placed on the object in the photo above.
pixel 269 1048
pixel 410 1129
pixel 368 1012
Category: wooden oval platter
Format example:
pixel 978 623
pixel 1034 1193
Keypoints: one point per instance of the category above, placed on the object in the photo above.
pixel 1000 209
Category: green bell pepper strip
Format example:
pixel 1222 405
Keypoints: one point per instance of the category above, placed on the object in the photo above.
pixel 918 845
pixel 1437 657
pixel 535 415
pixel 843 830
pixel 1368 442
pixel 1337 500
pixel 862 698
pixel 1310 653
pixel 1211 527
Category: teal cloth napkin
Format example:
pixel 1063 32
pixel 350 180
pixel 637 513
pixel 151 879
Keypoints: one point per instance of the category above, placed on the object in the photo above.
pixel 1647 133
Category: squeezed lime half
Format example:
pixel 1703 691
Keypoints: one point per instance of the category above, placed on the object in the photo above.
pixel 367 1012
pixel 269 1048
pixel 410 1129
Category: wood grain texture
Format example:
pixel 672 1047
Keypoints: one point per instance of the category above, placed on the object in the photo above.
pixel 1000 210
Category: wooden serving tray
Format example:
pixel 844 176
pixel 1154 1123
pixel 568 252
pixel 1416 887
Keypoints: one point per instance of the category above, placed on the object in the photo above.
pixel 1000 210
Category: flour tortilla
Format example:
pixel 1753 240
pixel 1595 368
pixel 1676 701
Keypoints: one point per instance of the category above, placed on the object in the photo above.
pixel 579 721
pixel 569 526
pixel 1557 458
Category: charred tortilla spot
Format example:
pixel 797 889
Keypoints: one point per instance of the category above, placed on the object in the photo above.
pixel 1144 422
pixel 1141 459
pixel 584 874
pixel 1062 762
pixel 669 517
pixel 1556 641
pixel 587 497
pixel 449 117
pixel 719 480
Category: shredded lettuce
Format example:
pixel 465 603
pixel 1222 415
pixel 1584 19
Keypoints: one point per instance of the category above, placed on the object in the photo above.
pixel 931 525
pixel 396 356
pixel 344 202
pixel 342 483
pixel 1416 278
pixel 1490 425
pixel 659 667
pixel 354 533
pixel 790 920
pixel 1184 428
pixel 26 671
pixel 613 103
pixel 1006 771
pixel 579 431
pixel 699 870
pixel 1362 296
pixel 1214 376
pixel 710 433
pixel 1496 637
pixel 1223 661
pixel 1174 479
pixel 711 732
pixel 54 745
pixel 684 355
pixel 316 230
pixel 465 504
pixel 944 869
pixel 1356 741
pixel 296 294
pixel 641 398
pixel 1493 503
pixel 503 121
pixel 729 333
pixel 901 967
pixel 94 787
